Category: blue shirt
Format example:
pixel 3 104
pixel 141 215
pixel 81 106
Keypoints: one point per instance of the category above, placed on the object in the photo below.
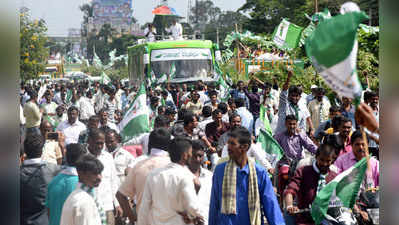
pixel 58 191
pixel 268 200
pixel 240 94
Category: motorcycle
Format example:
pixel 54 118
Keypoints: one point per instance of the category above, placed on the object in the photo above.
pixel 336 216
pixel 369 201
pixel 339 216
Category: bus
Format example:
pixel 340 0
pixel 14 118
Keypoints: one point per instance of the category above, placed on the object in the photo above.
pixel 191 60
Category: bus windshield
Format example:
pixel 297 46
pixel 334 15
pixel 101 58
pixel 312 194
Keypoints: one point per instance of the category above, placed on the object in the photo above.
pixel 199 68
pixel 188 63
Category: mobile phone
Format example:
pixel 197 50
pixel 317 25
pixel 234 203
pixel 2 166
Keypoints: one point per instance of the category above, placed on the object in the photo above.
pixel 52 135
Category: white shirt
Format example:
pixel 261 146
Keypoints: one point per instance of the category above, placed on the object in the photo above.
pixel 202 124
pixel 255 151
pixel 247 119
pixel 204 194
pixel 21 115
pixel 151 35
pixel 203 97
pixel 71 131
pixel 167 191
pixel 86 109
pixel 110 182
pixel 122 159
pixel 80 209
pixel 142 140
pixel 176 30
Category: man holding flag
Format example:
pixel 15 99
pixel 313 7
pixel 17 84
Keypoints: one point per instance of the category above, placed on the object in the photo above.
pixel 307 182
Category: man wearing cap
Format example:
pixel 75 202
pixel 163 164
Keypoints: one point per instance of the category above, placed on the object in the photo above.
pixel 310 97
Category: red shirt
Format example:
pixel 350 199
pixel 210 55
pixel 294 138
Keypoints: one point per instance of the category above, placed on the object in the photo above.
pixel 303 186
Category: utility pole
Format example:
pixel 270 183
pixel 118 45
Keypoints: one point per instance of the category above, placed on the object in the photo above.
pixel 316 6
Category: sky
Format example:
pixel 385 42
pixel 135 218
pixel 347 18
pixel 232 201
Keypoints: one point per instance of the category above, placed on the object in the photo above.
pixel 63 14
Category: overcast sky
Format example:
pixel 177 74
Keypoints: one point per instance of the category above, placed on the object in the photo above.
pixel 63 14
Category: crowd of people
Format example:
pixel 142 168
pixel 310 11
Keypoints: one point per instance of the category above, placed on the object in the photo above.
pixel 199 164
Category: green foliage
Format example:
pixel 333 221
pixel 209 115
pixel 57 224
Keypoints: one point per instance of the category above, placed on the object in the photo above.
pixel 368 42
pixel 117 72
pixel 33 53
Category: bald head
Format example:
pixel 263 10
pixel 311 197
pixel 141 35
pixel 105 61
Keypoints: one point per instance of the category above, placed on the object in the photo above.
pixel 45 127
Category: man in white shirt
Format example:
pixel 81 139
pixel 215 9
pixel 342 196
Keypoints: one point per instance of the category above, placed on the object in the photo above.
pixel 121 157
pixel 85 107
pixel 176 29
pixel 110 182
pixel 170 192
pixel 204 176
pixel 104 122
pixel 49 106
pixel 150 32
pixel 83 206
pixel 72 127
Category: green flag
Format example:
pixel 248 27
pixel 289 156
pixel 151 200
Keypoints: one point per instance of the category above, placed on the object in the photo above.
pixel 172 72
pixel 265 120
pixel 136 119
pixel 271 146
pixel 224 89
pixel 68 97
pixel 343 187
pixel 162 79
pixel 286 36
pixel 105 79
pixel 96 60
pixel 52 121
pixel 332 48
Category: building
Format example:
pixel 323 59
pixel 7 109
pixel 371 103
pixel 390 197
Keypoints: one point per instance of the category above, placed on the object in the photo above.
pixel 117 13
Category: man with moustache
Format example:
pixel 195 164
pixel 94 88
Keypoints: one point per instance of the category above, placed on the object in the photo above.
pixel 110 182
pixel 307 182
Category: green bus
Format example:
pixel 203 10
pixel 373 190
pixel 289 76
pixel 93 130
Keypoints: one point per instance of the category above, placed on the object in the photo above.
pixel 192 60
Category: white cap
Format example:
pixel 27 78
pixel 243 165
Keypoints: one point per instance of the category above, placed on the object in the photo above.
pixel 313 86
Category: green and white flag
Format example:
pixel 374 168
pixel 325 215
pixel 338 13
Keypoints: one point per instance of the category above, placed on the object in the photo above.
pixel 68 97
pixel 265 120
pixel 136 119
pixel 271 146
pixel 96 60
pixel 320 16
pixel 172 73
pixel 224 89
pixel 286 36
pixel 162 79
pixel 332 48
pixel 105 79
pixel 343 187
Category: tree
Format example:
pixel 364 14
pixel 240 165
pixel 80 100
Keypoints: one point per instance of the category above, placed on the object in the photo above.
pixel 33 53
pixel 266 15
pixel 203 13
